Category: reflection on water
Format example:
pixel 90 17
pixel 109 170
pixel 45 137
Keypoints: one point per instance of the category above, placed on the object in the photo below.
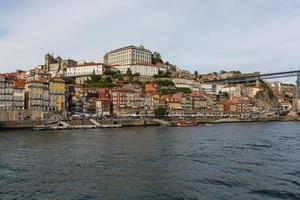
pixel 226 161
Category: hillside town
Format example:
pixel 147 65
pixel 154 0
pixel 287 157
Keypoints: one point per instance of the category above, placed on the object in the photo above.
pixel 133 83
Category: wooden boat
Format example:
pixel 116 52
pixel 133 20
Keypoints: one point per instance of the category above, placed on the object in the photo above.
pixel 184 123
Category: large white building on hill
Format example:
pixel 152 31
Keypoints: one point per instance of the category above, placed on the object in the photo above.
pixel 128 56
pixel 187 83
pixel 137 59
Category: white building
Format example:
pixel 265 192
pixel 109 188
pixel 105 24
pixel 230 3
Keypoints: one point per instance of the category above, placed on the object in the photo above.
pixel 232 90
pixel 128 56
pixel 19 98
pixel 39 76
pixel 6 92
pixel 142 69
pixel 85 69
pixel 187 83
pixel 208 88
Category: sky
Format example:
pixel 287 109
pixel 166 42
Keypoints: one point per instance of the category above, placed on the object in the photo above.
pixel 202 35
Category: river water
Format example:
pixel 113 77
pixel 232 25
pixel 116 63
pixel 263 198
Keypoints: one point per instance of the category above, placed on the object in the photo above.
pixel 225 161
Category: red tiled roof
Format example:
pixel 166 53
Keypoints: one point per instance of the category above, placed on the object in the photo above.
pixel 197 94
pixel 38 81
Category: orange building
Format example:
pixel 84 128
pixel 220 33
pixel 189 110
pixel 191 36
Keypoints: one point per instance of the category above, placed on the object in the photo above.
pixel 150 87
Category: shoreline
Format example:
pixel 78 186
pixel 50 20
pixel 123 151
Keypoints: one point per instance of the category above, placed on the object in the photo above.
pixel 19 125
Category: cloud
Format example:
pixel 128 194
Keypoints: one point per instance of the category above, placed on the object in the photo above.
pixel 197 35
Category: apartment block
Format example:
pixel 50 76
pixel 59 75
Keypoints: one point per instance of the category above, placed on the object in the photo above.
pixel 37 95
pixel 6 92
pixel 19 95
pixel 57 92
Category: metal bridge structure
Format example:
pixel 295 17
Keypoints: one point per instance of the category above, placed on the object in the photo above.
pixel 256 77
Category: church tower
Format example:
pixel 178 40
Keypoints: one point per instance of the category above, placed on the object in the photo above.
pixel 47 62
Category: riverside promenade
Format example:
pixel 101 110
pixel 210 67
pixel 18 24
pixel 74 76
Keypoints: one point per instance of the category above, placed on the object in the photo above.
pixel 118 123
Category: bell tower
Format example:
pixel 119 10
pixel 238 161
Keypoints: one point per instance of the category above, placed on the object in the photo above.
pixel 47 62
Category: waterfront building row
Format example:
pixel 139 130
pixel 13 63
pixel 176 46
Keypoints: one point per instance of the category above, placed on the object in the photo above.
pixel 37 95
pixel 132 100
pixel 43 95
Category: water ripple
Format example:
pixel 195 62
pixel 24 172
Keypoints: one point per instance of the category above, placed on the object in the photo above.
pixel 218 162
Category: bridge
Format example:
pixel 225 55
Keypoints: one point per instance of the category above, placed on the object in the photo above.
pixel 256 77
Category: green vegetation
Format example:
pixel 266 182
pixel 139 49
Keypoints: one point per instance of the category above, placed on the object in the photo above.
pixel 114 74
pixel 266 91
pixel 196 74
pixel 224 94
pixel 131 77
pixel 69 80
pixel 128 72
pixel 111 75
pixel 160 111
pixel 137 81
pixel 166 83
pixel 166 91
pixel 98 82
pixel 236 73
pixel 156 58
pixel 162 74
pixel 108 72
pixel 184 90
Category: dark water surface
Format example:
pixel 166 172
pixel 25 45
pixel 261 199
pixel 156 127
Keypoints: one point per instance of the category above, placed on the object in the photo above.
pixel 226 161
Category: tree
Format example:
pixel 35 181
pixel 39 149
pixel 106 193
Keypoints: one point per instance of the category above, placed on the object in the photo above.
pixel 120 77
pixel 129 72
pixel 108 72
pixel 156 58
pixel 95 78
pixel 224 94
pixel 69 80
pixel 196 74
pixel 184 90
pixel 108 79
pixel 156 55
pixel 222 72
pixel 160 111
pixel 166 91
pixel 165 83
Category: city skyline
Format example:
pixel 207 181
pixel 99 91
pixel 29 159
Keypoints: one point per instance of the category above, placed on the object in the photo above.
pixel 248 36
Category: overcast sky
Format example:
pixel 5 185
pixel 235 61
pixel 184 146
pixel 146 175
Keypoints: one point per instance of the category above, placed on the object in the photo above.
pixel 203 35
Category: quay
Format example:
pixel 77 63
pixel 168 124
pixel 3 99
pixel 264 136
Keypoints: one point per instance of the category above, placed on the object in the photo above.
pixel 119 123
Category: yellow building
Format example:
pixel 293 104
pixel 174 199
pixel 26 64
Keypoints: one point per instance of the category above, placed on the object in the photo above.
pixel 57 92
pixel 174 104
